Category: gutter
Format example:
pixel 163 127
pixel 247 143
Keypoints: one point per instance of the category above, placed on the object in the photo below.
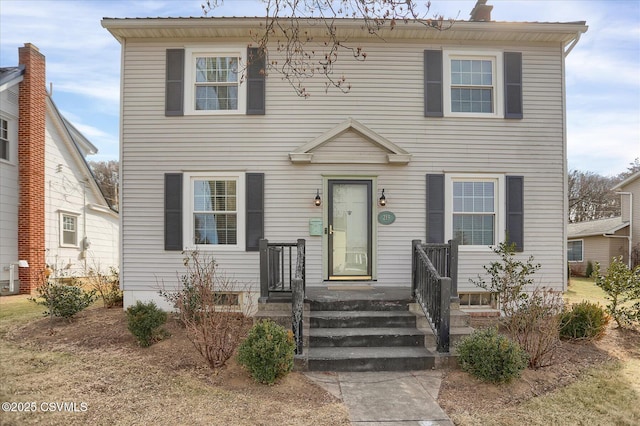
pixel 630 237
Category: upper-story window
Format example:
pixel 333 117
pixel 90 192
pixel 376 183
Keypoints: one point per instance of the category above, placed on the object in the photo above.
pixel 214 82
pixel 68 229
pixel 4 139
pixel 473 84
pixel 472 88
pixel 216 86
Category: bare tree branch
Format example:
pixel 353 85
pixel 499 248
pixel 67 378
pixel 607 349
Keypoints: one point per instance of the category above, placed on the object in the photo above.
pixel 303 57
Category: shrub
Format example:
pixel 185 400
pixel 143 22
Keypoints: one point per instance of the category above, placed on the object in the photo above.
pixel 491 357
pixel 267 352
pixel 144 321
pixel 585 320
pixel 532 319
pixel 536 325
pixel 208 305
pixel 107 286
pixel 63 300
pixel 589 271
pixel 622 286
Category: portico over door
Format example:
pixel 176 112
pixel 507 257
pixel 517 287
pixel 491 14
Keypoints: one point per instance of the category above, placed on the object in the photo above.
pixel 349 229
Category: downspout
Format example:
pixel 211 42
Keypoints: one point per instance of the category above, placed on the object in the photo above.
pixel 630 237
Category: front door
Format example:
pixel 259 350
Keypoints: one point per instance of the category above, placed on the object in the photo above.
pixel 349 233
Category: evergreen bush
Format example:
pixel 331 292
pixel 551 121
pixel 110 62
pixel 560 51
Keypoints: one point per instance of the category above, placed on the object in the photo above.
pixel 491 357
pixel 144 321
pixel 63 300
pixel 585 320
pixel 267 352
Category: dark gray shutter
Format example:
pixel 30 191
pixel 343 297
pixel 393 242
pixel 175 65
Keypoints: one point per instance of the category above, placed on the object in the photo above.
pixel 515 211
pixel 173 211
pixel 435 208
pixel 255 210
pixel 513 85
pixel 174 88
pixel 256 64
pixel 433 83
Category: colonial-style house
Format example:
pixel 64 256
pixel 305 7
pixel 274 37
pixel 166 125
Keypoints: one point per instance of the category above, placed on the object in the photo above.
pixel 54 218
pixel 457 134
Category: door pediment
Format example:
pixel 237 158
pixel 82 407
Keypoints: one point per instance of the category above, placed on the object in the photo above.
pixel 350 142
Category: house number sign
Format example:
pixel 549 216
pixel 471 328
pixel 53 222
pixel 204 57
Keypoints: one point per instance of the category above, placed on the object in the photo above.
pixel 386 218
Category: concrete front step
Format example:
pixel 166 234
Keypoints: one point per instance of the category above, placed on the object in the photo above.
pixel 370 359
pixel 350 319
pixel 366 337
pixel 359 305
pixel 458 318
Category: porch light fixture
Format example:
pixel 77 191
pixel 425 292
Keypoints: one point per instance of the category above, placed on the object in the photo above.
pixel 318 200
pixel 383 200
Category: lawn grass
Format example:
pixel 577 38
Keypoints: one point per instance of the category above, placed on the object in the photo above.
pixel 584 289
pixel 16 310
pixel 609 395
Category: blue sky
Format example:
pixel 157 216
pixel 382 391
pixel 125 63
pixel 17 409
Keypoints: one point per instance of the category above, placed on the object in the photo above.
pixel 83 63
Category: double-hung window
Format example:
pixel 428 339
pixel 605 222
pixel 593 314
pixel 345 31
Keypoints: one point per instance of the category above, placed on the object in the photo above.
pixel 473 84
pixel 4 139
pixel 475 212
pixel 574 251
pixel 68 229
pixel 216 211
pixel 214 82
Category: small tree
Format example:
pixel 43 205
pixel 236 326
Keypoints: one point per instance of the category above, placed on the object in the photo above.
pixel 531 319
pixel 622 286
pixel 208 304
pixel 509 277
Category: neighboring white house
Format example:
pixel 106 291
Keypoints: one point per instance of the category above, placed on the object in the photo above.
pixel 463 131
pixel 53 212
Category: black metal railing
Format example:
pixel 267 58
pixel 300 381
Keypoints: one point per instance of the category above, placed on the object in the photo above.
pixel 278 263
pixel 433 278
pixel 282 275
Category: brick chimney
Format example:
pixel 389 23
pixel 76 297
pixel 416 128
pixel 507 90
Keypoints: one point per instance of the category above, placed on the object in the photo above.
pixel 481 12
pixel 31 140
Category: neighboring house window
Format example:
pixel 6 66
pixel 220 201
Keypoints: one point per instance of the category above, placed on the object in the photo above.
pixel 215 217
pixel 4 139
pixel 213 82
pixel 474 212
pixel 472 84
pixel 68 230
pixel 575 251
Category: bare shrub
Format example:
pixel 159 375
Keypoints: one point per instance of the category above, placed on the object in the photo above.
pixel 536 325
pixel 106 285
pixel 210 307
pixel 531 319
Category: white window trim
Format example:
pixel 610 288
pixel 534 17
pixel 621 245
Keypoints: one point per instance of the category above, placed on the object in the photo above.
pixel 496 58
pixel 239 51
pixel 499 200
pixel 76 216
pixel 11 137
pixel 581 254
pixel 187 217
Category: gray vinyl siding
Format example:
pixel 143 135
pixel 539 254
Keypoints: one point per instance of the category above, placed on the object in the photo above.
pixel 387 97
pixel 9 190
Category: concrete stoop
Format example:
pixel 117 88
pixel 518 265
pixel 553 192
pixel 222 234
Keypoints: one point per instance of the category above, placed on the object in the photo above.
pixel 368 335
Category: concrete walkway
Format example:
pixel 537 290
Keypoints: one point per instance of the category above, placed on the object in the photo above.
pixel 387 398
